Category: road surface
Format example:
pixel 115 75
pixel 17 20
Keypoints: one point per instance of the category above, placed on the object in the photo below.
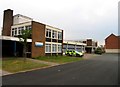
pixel 100 70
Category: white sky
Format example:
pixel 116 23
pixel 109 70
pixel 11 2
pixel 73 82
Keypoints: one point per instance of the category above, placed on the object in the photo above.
pixel 80 19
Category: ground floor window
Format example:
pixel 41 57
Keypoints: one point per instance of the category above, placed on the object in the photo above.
pixel 48 48
pixel 59 48
pixel 54 48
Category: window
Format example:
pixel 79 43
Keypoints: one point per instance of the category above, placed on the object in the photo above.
pixel 15 32
pixel 65 46
pixel 12 32
pixel 71 46
pixel 54 48
pixel 20 30
pixel 60 35
pixel 59 48
pixel 28 27
pixel 48 48
pixel 48 33
pixel 54 34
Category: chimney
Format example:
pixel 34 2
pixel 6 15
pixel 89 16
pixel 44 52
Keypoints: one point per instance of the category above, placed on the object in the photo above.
pixel 7 22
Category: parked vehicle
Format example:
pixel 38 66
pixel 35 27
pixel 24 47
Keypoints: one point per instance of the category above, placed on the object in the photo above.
pixel 74 53
pixel 98 51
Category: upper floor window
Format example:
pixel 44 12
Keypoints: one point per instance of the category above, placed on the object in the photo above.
pixel 54 34
pixel 28 27
pixel 13 30
pixel 60 35
pixel 48 33
pixel 20 30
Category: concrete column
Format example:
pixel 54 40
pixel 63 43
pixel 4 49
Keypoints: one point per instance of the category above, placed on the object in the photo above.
pixel 15 54
pixel 51 50
pixel 92 49
pixel 75 46
pixel 83 48
pixel 67 46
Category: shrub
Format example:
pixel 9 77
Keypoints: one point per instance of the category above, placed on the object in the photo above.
pixel 98 51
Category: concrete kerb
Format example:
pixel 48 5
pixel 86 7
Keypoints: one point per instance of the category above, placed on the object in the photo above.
pixel 43 62
pixel 2 73
pixel 36 69
pixel 50 64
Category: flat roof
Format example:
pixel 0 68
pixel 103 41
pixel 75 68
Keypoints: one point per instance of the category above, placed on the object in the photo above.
pixel 12 38
pixel 74 43
pixel 30 40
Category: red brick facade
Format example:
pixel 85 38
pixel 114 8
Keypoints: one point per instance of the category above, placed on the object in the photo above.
pixel 112 42
pixel 7 22
pixel 91 45
pixel 38 35
pixel 89 42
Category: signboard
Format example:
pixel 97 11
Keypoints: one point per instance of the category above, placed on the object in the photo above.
pixel 38 44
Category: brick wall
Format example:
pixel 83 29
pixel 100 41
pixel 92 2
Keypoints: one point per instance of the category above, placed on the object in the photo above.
pixel 111 42
pixel 7 22
pixel 89 42
pixel 38 35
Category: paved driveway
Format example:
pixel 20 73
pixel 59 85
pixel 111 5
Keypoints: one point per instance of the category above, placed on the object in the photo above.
pixel 101 70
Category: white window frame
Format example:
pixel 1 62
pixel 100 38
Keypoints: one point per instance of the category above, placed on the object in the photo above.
pixel 15 31
pixel 20 29
pixel 59 48
pixel 59 35
pixel 54 48
pixel 49 33
pixel 28 27
pixel 54 34
pixel 49 48
pixel 12 31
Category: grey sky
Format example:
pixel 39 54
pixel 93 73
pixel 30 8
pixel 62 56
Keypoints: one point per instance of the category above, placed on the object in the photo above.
pixel 80 19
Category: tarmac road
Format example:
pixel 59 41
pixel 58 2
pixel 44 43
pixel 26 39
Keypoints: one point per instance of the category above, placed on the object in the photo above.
pixel 100 70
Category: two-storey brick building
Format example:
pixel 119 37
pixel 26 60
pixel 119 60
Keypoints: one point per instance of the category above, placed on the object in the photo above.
pixel 44 40
pixel 112 44
pixel 91 45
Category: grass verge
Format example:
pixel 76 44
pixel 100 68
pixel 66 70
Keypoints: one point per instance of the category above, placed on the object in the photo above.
pixel 59 59
pixel 18 64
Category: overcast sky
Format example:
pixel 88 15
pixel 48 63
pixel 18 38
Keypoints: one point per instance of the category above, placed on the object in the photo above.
pixel 80 19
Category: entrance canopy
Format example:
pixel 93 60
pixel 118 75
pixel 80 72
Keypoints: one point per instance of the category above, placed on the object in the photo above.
pixel 12 38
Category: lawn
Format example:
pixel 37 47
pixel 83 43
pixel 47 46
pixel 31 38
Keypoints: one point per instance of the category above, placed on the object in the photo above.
pixel 59 59
pixel 18 64
pixel 0 63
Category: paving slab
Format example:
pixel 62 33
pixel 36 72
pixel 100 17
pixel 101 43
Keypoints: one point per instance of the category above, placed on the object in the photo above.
pixel 2 73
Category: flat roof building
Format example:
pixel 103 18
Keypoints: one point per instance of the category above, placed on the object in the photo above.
pixel 91 45
pixel 73 45
pixel 44 40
